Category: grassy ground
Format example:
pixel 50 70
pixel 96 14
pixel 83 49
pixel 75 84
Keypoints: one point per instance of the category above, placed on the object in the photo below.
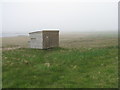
pixel 15 41
pixel 94 65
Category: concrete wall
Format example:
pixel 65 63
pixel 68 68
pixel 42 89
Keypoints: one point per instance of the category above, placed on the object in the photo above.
pixel 36 40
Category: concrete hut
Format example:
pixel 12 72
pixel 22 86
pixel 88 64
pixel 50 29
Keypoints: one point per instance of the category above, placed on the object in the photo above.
pixel 47 38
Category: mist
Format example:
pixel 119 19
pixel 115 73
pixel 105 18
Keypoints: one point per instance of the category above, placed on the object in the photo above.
pixel 22 18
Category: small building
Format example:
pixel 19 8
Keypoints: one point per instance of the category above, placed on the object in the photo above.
pixel 44 39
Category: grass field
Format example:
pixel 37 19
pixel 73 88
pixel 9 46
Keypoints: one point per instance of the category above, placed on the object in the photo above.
pixel 82 61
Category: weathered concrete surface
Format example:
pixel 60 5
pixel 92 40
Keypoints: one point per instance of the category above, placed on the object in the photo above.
pixel 36 40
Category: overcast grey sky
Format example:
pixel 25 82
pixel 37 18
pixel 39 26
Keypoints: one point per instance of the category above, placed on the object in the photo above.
pixel 24 17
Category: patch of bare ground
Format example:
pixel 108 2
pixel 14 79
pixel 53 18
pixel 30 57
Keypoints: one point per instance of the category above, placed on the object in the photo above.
pixel 10 48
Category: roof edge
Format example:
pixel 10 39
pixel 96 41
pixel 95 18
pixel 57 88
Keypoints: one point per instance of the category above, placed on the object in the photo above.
pixel 44 31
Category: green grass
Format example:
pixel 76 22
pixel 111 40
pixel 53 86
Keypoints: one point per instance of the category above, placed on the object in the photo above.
pixel 61 68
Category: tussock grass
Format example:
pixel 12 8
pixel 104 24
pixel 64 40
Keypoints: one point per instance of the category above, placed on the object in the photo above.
pixel 61 68
pixel 85 60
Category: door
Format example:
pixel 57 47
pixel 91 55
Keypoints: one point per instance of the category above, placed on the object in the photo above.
pixel 46 40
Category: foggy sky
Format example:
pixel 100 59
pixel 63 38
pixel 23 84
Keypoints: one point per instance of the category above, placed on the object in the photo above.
pixel 66 16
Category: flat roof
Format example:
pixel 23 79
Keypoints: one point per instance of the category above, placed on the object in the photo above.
pixel 50 29
pixel 44 30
